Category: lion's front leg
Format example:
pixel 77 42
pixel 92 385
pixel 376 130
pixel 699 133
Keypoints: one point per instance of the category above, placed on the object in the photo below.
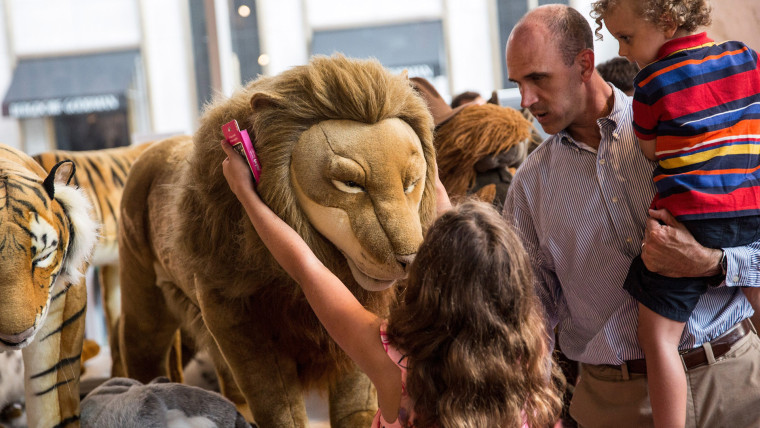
pixel 52 362
pixel 353 401
pixel 267 378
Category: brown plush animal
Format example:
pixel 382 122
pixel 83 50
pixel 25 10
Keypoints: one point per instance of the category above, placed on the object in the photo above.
pixel 479 147
pixel 348 162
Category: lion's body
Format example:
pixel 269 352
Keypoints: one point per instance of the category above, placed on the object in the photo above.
pixel 101 174
pixel 191 258
pixel 46 235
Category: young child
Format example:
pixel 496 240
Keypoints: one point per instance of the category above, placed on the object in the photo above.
pixel 465 346
pixel 695 111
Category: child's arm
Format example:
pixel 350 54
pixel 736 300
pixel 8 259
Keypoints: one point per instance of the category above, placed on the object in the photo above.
pixel 648 148
pixel 442 202
pixel 354 329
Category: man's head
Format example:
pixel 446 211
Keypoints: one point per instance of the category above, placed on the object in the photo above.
pixel 551 59
pixel 620 72
pixel 641 27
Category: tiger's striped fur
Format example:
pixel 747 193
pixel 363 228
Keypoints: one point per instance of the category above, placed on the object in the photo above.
pixel 101 174
pixel 46 235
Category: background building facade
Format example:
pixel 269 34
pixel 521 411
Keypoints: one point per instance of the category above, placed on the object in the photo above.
pixel 85 74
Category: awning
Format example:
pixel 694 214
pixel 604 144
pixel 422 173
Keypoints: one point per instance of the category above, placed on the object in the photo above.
pixel 79 84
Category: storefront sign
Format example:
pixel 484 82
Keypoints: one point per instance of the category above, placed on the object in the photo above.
pixel 61 106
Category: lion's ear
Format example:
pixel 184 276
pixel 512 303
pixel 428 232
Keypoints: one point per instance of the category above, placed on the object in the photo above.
pixel 405 74
pixel 261 101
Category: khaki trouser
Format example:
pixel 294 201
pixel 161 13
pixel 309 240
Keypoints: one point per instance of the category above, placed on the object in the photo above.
pixel 723 394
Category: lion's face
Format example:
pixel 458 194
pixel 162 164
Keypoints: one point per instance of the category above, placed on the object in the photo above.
pixel 360 185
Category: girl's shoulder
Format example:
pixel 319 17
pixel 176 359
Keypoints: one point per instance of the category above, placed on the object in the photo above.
pixel 394 354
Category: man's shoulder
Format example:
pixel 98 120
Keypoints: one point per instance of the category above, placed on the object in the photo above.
pixel 534 165
pixel 540 154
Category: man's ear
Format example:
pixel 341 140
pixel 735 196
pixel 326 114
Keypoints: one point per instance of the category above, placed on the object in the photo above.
pixel 585 59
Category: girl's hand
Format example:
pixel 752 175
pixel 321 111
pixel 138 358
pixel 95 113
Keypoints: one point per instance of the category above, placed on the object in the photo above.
pixel 237 172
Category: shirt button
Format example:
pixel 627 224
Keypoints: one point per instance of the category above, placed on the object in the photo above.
pixel 615 135
pixel 614 199
pixel 736 278
pixel 629 239
pixel 601 161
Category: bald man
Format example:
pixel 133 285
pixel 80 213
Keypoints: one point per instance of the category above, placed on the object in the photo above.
pixel 580 204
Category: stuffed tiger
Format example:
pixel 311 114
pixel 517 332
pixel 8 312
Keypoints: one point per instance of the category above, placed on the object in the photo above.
pixel 101 174
pixel 46 235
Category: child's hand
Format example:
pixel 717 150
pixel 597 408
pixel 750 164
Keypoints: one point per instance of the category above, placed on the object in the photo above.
pixel 237 172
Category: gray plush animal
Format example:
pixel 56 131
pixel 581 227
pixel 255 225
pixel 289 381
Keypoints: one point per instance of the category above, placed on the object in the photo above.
pixel 12 390
pixel 127 403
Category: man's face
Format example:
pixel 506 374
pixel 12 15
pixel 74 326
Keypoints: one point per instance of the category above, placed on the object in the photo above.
pixel 550 89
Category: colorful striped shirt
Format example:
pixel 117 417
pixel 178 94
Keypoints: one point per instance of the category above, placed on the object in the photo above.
pixel 701 102
pixel 581 214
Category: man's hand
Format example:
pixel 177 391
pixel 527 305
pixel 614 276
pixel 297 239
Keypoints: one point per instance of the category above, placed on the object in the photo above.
pixel 670 249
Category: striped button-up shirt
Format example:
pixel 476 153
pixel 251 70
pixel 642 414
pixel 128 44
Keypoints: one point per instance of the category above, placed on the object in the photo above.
pixel 581 214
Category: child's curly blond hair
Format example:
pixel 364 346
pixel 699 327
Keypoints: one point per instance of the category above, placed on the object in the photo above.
pixel 688 15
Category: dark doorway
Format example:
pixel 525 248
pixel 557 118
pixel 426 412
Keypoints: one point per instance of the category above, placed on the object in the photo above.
pixel 92 131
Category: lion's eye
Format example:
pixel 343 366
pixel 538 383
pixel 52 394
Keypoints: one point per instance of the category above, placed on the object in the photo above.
pixel 348 186
pixel 411 187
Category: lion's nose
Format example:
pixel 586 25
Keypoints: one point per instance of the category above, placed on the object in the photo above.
pixel 405 260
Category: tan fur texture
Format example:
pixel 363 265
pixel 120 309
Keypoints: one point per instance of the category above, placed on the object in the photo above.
pixel 477 132
pixel 190 256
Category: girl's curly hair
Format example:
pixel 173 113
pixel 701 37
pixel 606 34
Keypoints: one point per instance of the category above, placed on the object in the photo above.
pixel 472 328
pixel 688 15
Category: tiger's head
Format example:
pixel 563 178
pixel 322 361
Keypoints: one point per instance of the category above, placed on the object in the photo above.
pixel 46 235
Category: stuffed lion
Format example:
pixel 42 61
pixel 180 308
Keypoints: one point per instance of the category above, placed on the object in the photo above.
pixel 347 161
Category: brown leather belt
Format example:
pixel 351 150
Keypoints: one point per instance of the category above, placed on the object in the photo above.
pixel 696 357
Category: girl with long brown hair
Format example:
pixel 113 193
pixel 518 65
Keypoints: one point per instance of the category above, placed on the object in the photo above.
pixel 465 346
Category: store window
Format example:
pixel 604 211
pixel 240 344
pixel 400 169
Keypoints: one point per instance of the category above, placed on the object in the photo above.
pixel 92 131
pixel 89 99
pixel 245 45
pixel 417 47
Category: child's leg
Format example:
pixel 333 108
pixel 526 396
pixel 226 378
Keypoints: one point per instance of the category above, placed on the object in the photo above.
pixel 753 295
pixel 659 337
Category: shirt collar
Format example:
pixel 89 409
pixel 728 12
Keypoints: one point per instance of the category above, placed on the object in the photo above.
pixel 620 112
pixel 686 42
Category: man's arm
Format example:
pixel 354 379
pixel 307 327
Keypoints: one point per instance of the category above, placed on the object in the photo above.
pixel 670 250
